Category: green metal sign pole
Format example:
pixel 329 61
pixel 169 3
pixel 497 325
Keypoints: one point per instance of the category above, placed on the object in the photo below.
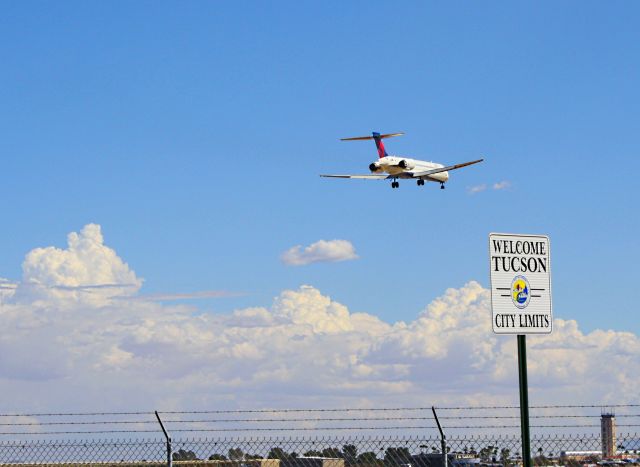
pixel 524 401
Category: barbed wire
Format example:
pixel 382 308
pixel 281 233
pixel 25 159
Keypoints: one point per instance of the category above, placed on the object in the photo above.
pixel 74 414
pixel 362 419
pixel 289 420
pixel 327 410
pixel 517 407
pixel 349 428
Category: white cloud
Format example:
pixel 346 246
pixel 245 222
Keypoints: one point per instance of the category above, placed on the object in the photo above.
pixel 320 251
pixel 7 289
pixel 201 294
pixel 138 354
pixel 502 185
pixel 86 271
pixel 476 189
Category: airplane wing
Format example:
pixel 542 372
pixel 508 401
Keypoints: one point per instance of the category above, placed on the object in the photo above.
pixel 445 169
pixel 364 177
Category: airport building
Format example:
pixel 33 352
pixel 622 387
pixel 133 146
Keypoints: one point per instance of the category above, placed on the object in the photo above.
pixel 608 434
pixel 435 460
pixel 312 461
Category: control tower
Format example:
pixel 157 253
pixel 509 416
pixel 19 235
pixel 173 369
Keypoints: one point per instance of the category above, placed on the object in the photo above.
pixel 608 433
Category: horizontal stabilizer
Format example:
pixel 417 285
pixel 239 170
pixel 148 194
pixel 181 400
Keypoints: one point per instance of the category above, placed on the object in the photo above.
pixel 445 169
pixel 363 138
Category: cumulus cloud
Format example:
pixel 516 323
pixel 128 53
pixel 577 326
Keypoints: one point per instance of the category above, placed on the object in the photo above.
pixel 87 270
pixel 303 348
pixel 320 251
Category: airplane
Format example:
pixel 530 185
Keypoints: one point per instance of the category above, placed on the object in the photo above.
pixel 396 167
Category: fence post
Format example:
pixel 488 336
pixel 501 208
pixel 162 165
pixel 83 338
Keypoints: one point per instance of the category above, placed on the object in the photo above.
pixel 524 400
pixel 168 438
pixel 443 439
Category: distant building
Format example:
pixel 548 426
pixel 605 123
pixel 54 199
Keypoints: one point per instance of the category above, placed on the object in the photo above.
pixel 435 460
pixel 608 432
pixel 465 461
pixel 580 456
pixel 312 462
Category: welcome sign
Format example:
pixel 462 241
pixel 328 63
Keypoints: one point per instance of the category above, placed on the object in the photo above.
pixel 520 284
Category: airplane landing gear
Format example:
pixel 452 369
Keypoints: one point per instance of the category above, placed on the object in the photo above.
pixel 420 182
pixel 395 184
pixel 442 185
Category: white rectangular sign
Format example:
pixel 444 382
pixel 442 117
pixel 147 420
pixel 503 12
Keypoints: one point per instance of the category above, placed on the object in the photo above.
pixel 520 283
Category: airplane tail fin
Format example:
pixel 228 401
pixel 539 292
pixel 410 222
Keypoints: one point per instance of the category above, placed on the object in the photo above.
pixel 377 137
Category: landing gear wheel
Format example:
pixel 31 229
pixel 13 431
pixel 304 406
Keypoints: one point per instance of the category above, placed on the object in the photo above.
pixel 442 186
pixel 420 182
pixel 395 184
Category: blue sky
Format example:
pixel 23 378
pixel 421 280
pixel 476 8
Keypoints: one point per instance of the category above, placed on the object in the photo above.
pixel 194 134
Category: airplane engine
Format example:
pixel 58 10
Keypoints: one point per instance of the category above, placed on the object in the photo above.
pixel 403 164
pixel 374 167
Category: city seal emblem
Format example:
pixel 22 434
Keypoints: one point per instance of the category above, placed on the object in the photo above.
pixel 520 292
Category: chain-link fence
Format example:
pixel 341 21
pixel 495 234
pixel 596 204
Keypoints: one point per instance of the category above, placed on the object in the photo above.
pixel 361 451
pixel 377 437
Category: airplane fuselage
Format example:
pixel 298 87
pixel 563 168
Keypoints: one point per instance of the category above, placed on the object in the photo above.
pixel 404 167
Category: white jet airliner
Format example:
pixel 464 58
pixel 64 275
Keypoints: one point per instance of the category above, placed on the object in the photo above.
pixel 396 167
